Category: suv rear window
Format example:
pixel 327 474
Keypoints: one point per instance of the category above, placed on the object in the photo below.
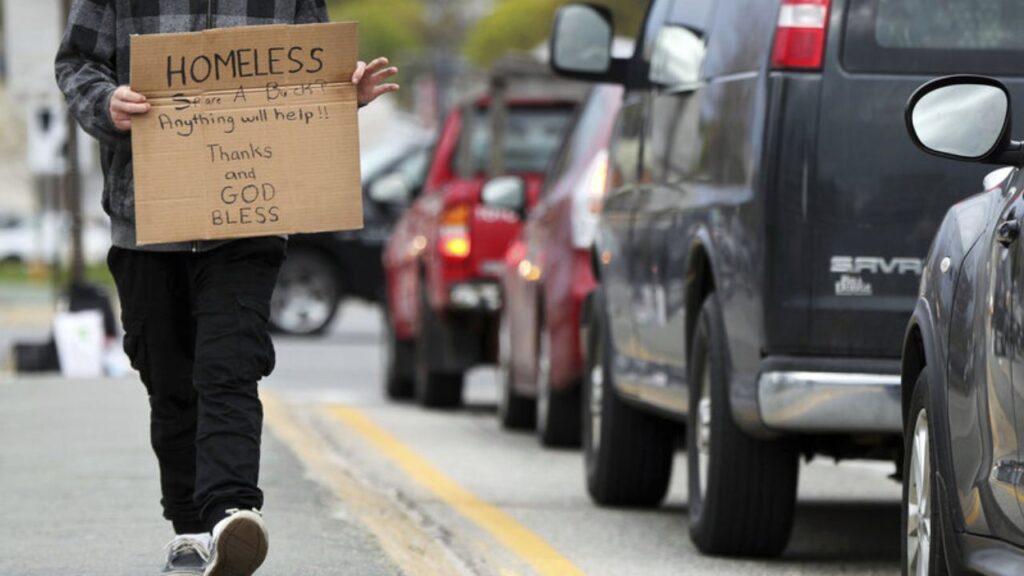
pixel 935 36
pixel 532 136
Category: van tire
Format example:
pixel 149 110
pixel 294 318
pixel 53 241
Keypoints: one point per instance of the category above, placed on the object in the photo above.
pixel 435 388
pixel 746 505
pixel 628 453
pixel 558 411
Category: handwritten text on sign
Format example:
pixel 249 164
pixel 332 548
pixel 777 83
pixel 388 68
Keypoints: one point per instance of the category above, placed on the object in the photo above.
pixel 253 132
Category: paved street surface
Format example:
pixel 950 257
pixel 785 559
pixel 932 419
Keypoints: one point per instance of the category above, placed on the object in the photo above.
pixel 356 485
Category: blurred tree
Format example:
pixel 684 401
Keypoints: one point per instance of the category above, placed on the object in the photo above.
pixel 522 25
pixel 386 28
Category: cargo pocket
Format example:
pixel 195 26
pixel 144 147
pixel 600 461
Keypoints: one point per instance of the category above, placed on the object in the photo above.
pixel 256 353
pixel 135 348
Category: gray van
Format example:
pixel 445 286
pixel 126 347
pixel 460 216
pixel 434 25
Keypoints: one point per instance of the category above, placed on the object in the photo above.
pixel 762 239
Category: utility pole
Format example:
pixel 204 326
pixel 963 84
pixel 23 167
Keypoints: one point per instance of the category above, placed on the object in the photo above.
pixel 72 187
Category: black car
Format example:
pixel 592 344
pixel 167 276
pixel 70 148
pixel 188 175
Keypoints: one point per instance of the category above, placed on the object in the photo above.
pixel 761 241
pixel 322 269
pixel 963 357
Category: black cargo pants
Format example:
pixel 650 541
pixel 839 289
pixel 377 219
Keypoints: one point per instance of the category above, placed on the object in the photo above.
pixel 196 330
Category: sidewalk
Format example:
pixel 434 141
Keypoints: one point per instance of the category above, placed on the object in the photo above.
pixel 79 491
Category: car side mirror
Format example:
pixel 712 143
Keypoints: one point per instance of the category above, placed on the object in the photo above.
pixel 677 59
pixel 390 189
pixel 581 44
pixel 508 192
pixel 964 118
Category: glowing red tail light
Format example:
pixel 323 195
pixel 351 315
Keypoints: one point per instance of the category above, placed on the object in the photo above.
pixel 800 35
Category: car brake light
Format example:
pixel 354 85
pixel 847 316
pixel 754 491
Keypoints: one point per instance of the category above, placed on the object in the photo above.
pixel 800 35
pixel 453 239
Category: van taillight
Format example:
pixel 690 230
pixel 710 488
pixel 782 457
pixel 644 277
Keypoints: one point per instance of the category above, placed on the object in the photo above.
pixel 800 36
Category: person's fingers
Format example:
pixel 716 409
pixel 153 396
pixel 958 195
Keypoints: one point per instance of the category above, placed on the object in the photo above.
pixel 128 95
pixel 384 89
pixel 377 64
pixel 123 124
pixel 384 74
pixel 357 76
pixel 129 107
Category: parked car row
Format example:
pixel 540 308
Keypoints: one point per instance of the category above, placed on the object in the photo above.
pixel 324 269
pixel 728 243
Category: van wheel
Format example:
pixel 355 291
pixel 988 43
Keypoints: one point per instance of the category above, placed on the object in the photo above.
pixel 742 490
pixel 922 551
pixel 434 388
pixel 515 411
pixel 399 368
pixel 558 412
pixel 628 453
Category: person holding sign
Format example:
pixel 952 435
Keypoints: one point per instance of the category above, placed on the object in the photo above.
pixel 195 314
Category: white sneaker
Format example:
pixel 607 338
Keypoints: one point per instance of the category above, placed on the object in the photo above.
pixel 239 544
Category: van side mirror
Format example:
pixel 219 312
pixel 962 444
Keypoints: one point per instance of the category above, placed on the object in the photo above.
pixel 964 118
pixel 508 192
pixel 677 59
pixel 390 189
pixel 581 44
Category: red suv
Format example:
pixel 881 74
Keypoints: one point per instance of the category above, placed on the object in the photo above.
pixel 445 257
pixel 549 275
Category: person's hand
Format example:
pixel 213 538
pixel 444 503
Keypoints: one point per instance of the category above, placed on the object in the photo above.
pixel 124 104
pixel 369 79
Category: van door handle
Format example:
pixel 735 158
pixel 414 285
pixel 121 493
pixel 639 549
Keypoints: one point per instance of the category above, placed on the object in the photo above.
pixel 1008 230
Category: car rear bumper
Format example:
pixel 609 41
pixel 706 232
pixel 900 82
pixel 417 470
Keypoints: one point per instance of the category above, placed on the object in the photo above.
pixel 821 399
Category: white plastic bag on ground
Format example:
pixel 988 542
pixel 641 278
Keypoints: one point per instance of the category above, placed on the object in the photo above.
pixel 80 343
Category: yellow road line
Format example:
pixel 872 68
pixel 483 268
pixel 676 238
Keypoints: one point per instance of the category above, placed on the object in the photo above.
pixel 518 539
pixel 406 543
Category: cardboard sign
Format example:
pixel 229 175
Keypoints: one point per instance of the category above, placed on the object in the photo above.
pixel 253 132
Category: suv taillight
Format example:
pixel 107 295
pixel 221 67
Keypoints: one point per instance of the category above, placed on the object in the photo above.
pixel 800 36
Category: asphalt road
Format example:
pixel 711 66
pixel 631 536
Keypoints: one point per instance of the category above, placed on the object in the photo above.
pixel 499 504
pixel 357 485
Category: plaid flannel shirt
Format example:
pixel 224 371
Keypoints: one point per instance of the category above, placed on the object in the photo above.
pixel 94 59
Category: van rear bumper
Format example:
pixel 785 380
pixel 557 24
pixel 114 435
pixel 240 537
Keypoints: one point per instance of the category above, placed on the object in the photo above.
pixel 815 401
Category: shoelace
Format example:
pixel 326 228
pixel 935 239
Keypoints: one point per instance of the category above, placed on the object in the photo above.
pixel 180 546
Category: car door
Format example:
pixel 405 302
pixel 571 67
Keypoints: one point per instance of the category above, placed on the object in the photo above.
pixel 673 144
pixel 617 249
pixel 997 319
pixel 1009 327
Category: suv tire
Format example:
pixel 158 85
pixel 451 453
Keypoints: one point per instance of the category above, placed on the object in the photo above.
pixel 742 491
pixel 628 453
pixel 434 387
pixel 919 453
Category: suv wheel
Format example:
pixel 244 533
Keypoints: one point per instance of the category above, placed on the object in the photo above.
pixel 628 453
pixel 742 491
pixel 558 412
pixel 515 411
pixel 922 551
pixel 434 387
pixel 399 369
pixel 305 299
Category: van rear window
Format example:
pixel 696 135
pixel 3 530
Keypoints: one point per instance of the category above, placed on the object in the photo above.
pixel 935 36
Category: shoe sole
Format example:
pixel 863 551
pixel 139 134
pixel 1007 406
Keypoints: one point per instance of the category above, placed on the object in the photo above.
pixel 241 547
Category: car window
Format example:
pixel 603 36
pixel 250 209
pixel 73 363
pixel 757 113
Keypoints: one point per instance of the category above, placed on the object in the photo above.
pixel 935 36
pixel 655 19
pixel 414 168
pixel 741 36
pixel 693 14
pixel 532 134
pixel 591 118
